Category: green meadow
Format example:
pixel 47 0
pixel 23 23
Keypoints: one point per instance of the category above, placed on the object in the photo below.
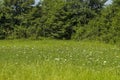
pixel 58 60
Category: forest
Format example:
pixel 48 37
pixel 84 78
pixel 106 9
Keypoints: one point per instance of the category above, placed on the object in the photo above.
pixel 60 19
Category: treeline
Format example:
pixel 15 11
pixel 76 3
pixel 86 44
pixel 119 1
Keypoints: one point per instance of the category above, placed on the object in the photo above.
pixel 60 19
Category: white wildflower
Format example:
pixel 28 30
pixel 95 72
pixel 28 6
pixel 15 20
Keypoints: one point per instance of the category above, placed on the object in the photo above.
pixel 104 62
pixel 57 59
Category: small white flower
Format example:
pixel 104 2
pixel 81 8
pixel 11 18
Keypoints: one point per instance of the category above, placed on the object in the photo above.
pixel 104 62
pixel 65 60
pixel 57 59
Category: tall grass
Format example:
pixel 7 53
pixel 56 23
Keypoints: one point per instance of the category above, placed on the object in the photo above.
pixel 58 60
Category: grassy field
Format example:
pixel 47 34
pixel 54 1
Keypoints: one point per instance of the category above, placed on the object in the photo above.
pixel 58 60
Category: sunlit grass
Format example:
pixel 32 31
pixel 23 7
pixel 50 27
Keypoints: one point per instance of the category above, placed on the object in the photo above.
pixel 58 60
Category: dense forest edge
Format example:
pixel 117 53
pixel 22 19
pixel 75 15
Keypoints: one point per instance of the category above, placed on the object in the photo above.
pixel 60 19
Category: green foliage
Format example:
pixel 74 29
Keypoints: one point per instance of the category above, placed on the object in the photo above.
pixel 6 24
pixel 105 27
pixel 71 15
pixel 96 5
pixel 60 19
pixel 49 9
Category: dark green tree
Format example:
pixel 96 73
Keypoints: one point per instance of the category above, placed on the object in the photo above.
pixel 105 27
pixel 6 22
pixel 23 16
pixel 49 8
pixel 96 5
pixel 73 15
